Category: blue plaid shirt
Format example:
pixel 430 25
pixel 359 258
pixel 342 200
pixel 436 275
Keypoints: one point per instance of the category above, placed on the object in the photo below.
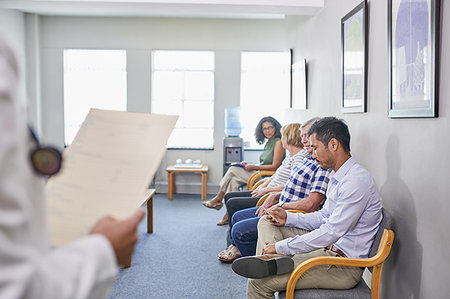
pixel 305 178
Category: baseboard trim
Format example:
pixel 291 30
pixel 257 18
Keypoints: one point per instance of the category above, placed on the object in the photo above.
pixel 187 188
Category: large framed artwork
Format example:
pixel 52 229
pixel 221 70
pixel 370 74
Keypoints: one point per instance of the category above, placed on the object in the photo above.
pixel 299 90
pixel 354 59
pixel 413 39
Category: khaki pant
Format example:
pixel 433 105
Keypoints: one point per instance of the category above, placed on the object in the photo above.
pixel 328 277
pixel 234 178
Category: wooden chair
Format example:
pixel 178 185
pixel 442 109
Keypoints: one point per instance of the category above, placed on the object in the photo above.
pixel 378 253
pixel 251 182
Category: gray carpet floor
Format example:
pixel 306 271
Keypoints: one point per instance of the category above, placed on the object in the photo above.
pixel 179 260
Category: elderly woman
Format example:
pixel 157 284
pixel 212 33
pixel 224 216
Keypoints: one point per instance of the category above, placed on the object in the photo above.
pixel 236 201
pixel 271 157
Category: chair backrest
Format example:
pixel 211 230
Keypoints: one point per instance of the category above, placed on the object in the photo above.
pixel 386 223
pixel 255 176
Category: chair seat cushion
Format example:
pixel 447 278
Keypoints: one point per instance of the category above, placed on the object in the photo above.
pixel 361 290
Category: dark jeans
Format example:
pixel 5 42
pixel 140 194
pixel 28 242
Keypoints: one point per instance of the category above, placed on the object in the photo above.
pixel 236 201
pixel 244 230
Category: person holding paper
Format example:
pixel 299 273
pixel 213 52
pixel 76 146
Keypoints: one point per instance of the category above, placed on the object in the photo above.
pixel 29 268
pixel 272 156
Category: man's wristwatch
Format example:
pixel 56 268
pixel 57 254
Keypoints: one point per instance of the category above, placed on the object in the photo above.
pixel 280 203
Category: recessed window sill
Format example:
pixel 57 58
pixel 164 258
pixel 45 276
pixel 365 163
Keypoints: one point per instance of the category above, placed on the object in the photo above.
pixel 192 148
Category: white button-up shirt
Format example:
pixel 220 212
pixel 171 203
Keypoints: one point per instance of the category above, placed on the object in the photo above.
pixel 28 267
pixel 349 218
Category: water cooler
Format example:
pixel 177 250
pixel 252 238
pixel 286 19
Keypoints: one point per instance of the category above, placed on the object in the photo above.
pixel 233 151
pixel 233 145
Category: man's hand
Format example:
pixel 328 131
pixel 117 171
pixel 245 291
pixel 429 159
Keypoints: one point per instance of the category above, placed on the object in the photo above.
pixel 270 201
pixel 277 215
pixel 122 234
pixel 269 248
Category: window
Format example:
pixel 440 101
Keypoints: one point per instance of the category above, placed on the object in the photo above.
pixel 183 84
pixel 92 79
pixel 265 89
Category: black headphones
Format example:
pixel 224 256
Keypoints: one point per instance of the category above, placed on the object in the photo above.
pixel 45 160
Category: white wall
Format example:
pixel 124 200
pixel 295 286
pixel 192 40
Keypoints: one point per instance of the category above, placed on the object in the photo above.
pixel 12 29
pixel 139 36
pixel 407 157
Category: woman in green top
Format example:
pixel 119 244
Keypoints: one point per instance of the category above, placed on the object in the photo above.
pixel 272 156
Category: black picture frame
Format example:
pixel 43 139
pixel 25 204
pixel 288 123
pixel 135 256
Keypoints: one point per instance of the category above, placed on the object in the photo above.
pixel 413 53
pixel 354 60
pixel 299 87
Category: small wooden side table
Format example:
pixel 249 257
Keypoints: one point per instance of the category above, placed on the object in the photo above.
pixel 171 170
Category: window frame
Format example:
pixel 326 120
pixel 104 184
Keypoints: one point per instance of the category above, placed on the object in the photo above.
pixel 213 52
pixel 124 51
pixel 253 145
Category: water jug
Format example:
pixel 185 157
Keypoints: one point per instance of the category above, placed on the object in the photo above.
pixel 233 121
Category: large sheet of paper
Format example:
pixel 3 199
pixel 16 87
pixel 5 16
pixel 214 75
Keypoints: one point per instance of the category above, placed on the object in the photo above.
pixel 106 170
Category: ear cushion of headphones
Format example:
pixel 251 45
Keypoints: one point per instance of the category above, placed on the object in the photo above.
pixel 46 160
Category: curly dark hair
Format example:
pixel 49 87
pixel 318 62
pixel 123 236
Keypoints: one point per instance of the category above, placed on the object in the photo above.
pixel 259 134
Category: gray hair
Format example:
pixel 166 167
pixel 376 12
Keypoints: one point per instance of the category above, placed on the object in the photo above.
pixel 310 122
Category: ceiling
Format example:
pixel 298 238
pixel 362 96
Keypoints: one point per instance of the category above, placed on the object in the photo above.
pixel 264 9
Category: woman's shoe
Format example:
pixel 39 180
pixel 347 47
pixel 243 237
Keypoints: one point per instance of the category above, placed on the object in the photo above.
pixel 223 222
pixel 225 251
pixel 231 253
pixel 210 205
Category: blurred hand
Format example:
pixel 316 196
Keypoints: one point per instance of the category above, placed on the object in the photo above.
pixel 269 248
pixel 277 215
pixel 270 201
pixel 123 234
pixel 259 192
pixel 250 167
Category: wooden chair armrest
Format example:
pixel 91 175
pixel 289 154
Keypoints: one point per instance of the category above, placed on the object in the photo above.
pixel 251 181
pixel 298 211
pixel 262 199
pixel 378 259
pixel 257 184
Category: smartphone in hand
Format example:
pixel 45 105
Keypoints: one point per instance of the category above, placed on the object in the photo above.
pixel 268 213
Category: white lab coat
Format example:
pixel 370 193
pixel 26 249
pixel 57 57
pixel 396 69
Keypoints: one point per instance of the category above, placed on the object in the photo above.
pixel 28 267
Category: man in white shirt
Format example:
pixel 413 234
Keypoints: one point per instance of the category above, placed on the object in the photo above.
pixel 345 226
pixel 28 267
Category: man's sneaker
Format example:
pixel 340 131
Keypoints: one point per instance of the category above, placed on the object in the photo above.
pixel 261 266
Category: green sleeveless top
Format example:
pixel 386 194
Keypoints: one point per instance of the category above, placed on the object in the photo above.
pixel 266 157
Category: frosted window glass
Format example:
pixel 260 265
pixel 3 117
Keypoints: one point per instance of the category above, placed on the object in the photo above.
pixel 265 89
pixel 183 84
pixel 92 79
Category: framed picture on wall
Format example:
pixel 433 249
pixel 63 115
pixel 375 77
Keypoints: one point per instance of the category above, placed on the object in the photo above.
pixel 413 39
pixel 299 91
pixel 354 59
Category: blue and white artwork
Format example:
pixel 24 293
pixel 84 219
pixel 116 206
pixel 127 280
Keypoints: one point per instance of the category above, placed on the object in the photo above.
pixel 411 54
pixel 354 60
pixel 353 26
